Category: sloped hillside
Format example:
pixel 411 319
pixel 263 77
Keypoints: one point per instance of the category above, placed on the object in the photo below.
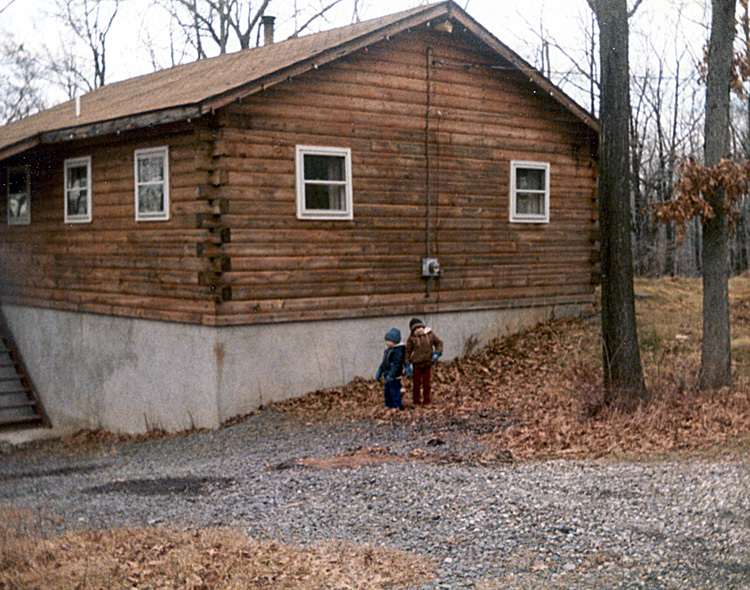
pixel 538 394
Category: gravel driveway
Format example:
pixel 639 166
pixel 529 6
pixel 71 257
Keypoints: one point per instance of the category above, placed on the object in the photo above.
pixel 562 524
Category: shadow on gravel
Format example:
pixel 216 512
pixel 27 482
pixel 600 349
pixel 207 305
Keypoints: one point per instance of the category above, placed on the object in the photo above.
pixel 166 486
pixel 475 424
pixel 54 472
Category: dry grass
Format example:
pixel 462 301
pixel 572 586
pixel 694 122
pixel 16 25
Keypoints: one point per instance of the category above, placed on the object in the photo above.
pixel 543 387
pixel 166 559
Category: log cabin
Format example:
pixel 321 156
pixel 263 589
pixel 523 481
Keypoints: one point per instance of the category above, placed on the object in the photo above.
pixel 183 247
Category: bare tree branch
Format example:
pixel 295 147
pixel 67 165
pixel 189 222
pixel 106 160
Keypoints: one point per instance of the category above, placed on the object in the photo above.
pixel 634 8
pixel 314 17
pixel 229 24
pixel 8 4
pixel 245 37
pixel 20 91
pixel 85 19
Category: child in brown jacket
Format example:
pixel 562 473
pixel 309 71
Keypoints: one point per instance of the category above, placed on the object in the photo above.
pixel 422 349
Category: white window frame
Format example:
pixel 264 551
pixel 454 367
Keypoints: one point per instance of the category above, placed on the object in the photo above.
pixel 302 211
pixel 516 217
pixel 162 215
pixel 78 163
pixel 24 219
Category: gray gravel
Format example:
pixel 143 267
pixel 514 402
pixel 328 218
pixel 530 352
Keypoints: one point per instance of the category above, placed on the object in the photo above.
pixel 682 523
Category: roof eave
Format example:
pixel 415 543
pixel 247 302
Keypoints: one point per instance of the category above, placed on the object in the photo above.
pixel 101 128
pixel 19 147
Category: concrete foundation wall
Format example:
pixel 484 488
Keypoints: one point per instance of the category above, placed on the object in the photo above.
pixel 131 375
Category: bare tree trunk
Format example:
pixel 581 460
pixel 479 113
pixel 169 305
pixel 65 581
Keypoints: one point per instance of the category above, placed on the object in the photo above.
pixel 592 68
pixel 716 364
pixel 623 372
pixel 641 241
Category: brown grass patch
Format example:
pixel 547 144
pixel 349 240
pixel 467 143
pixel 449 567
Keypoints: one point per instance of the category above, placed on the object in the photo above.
pixel 542 388
pixel 374 456
pixel 165 559
pixel 362 457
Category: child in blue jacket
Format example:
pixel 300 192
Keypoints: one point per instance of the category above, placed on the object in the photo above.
pixel 391 368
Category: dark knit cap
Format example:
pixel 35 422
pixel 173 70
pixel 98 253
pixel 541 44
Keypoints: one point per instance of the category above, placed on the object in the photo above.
pixel 393 335
pixel 415 323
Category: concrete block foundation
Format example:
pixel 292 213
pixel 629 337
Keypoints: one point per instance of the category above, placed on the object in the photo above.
pixel 131 375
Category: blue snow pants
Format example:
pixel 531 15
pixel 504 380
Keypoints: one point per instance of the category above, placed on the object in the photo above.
pixel 392 392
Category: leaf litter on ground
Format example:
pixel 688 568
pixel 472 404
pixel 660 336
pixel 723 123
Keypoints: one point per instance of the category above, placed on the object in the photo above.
pixel 541 390
pixel 166 559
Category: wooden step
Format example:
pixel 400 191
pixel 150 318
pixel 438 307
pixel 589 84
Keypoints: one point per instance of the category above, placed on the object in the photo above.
pixel 11 415
pixel 17 391
pixel 18 406
pixel 24 421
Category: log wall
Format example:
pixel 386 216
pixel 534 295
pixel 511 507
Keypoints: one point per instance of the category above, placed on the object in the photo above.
pixel 478 117
pixel 113 265
pixel 432 120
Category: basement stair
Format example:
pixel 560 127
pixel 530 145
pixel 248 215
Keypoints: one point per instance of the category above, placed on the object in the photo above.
pixel 19 405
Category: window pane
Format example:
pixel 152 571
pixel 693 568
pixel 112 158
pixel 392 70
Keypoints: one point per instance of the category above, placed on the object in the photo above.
pixel 530 179
pixel 77 201
pixel 324 197
pixel 77 192
pixel 17 183
pixel 77 177
pixel 338 197
pixel 18 206
pixel 529 204
pixel 151 198
pixel 151 168
pixel 324 167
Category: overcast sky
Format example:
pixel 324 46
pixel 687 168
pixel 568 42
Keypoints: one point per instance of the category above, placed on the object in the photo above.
pixel 518 23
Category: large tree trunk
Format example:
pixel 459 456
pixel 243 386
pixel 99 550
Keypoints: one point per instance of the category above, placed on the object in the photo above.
pixel 623 373
pixel 716 365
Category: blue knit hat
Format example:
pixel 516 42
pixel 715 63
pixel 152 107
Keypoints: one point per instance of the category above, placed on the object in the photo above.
pixel 393 335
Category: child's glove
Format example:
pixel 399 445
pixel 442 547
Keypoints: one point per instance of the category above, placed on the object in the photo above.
pixel 435 356
pixel 408 370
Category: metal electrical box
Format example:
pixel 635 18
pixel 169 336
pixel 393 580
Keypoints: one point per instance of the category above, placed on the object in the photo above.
pixel 430 267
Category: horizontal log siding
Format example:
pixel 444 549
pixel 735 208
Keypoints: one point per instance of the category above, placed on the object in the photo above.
pixel 234 252
pixel 113 265
pixel 482 116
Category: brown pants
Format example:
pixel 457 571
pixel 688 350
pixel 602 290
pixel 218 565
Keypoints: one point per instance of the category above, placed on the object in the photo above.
pixel 421 376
